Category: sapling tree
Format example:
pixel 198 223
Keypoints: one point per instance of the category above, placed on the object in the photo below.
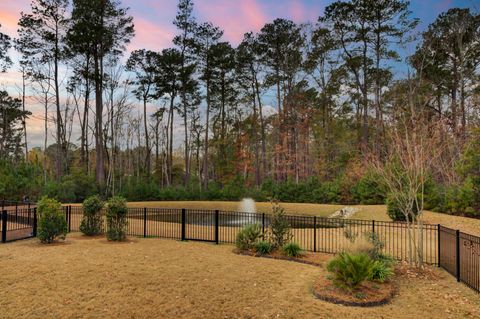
pixel 413 146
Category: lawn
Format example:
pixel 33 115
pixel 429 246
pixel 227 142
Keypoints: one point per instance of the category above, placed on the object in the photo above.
pixel 146 278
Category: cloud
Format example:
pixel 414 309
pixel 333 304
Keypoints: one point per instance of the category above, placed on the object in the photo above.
pixel 151 36
pixel 234 17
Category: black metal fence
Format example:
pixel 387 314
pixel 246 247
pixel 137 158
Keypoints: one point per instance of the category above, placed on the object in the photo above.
pixel 316 234
pixel 458 253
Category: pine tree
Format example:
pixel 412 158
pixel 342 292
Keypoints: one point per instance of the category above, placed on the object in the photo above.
pixel 102 27
pixel 11 126
pixel 5 45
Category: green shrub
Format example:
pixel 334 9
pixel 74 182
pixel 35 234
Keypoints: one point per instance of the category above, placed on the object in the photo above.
pixel 51 222
pixel 116 218
pixel 369 191
pixel 92 220
pixel 350 270
pixel 248 236
pixel 279 228
pixel 292 250
pixel 381 271
pixel 263 247
pixel 394 211
pixel 386 259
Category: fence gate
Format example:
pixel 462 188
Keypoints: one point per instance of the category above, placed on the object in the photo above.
pixel 18 223
pixel 200 225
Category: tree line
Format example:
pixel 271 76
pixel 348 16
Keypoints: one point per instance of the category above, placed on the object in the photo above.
pixel 294 111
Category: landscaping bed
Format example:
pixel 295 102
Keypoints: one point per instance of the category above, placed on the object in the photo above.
pixel 368 294
pixel 314 259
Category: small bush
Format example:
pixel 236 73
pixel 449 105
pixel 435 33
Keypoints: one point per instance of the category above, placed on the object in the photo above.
pixel 51 222
pixel 280 233
pixel 381 271
pixel 248 236
pixel 92 221
pixel 116 218
pixel 386 259
pixel 377 245
pixel 394 211
pixel 263 247
pixel 350 270
pixel 292 250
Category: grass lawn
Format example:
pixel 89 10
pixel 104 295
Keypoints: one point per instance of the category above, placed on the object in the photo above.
pixel 146 278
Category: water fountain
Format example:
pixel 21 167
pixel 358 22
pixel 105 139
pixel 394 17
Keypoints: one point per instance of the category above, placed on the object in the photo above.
pixel 247 205
pixel 248 214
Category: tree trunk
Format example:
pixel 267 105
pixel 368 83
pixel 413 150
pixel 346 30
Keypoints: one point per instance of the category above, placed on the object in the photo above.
pixel 24 116
pixel 99 165
pixel 205 158
pixel 147 138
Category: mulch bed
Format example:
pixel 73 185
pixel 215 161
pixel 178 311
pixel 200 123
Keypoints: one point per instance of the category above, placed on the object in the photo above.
pixel 369 294
pixel 314 259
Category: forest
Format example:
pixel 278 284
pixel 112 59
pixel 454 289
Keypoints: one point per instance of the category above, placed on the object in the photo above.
pixel 321 112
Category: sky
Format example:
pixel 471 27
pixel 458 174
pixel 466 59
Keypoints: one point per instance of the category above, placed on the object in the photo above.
pixel 154 29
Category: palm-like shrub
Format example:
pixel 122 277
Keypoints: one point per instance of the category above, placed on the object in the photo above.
pixel 292 250
pixel 263 247
pixel 381 271
pixel 116 218
pixel 248 236
pixel 92 221
pixel 51 222
pixel 350 270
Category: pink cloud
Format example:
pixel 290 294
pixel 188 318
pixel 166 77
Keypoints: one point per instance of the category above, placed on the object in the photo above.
pixel 10 13
pixel 234 17
pixel 151 36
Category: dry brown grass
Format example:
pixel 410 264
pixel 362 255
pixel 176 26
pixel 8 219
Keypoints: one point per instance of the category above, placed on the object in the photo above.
pixel 146 278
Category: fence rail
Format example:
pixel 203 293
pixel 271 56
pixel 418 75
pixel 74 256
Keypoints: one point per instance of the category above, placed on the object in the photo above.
pixel 458 253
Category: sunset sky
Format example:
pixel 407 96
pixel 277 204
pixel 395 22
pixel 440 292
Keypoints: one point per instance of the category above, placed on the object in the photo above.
pixel 154 29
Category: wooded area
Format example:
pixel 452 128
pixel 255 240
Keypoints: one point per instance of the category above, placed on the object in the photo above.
pixel 301 113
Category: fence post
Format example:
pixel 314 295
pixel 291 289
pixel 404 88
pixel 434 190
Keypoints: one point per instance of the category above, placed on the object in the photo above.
pixel 34 233
pixel 263 225
pixel 4 226
pixel 438 244
pixel 69 218
pixel 28 215
pixel 314 234
pixel 458 255
pixel 373 226
pixel 144 222
pixel 183 223
pixel 216 226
